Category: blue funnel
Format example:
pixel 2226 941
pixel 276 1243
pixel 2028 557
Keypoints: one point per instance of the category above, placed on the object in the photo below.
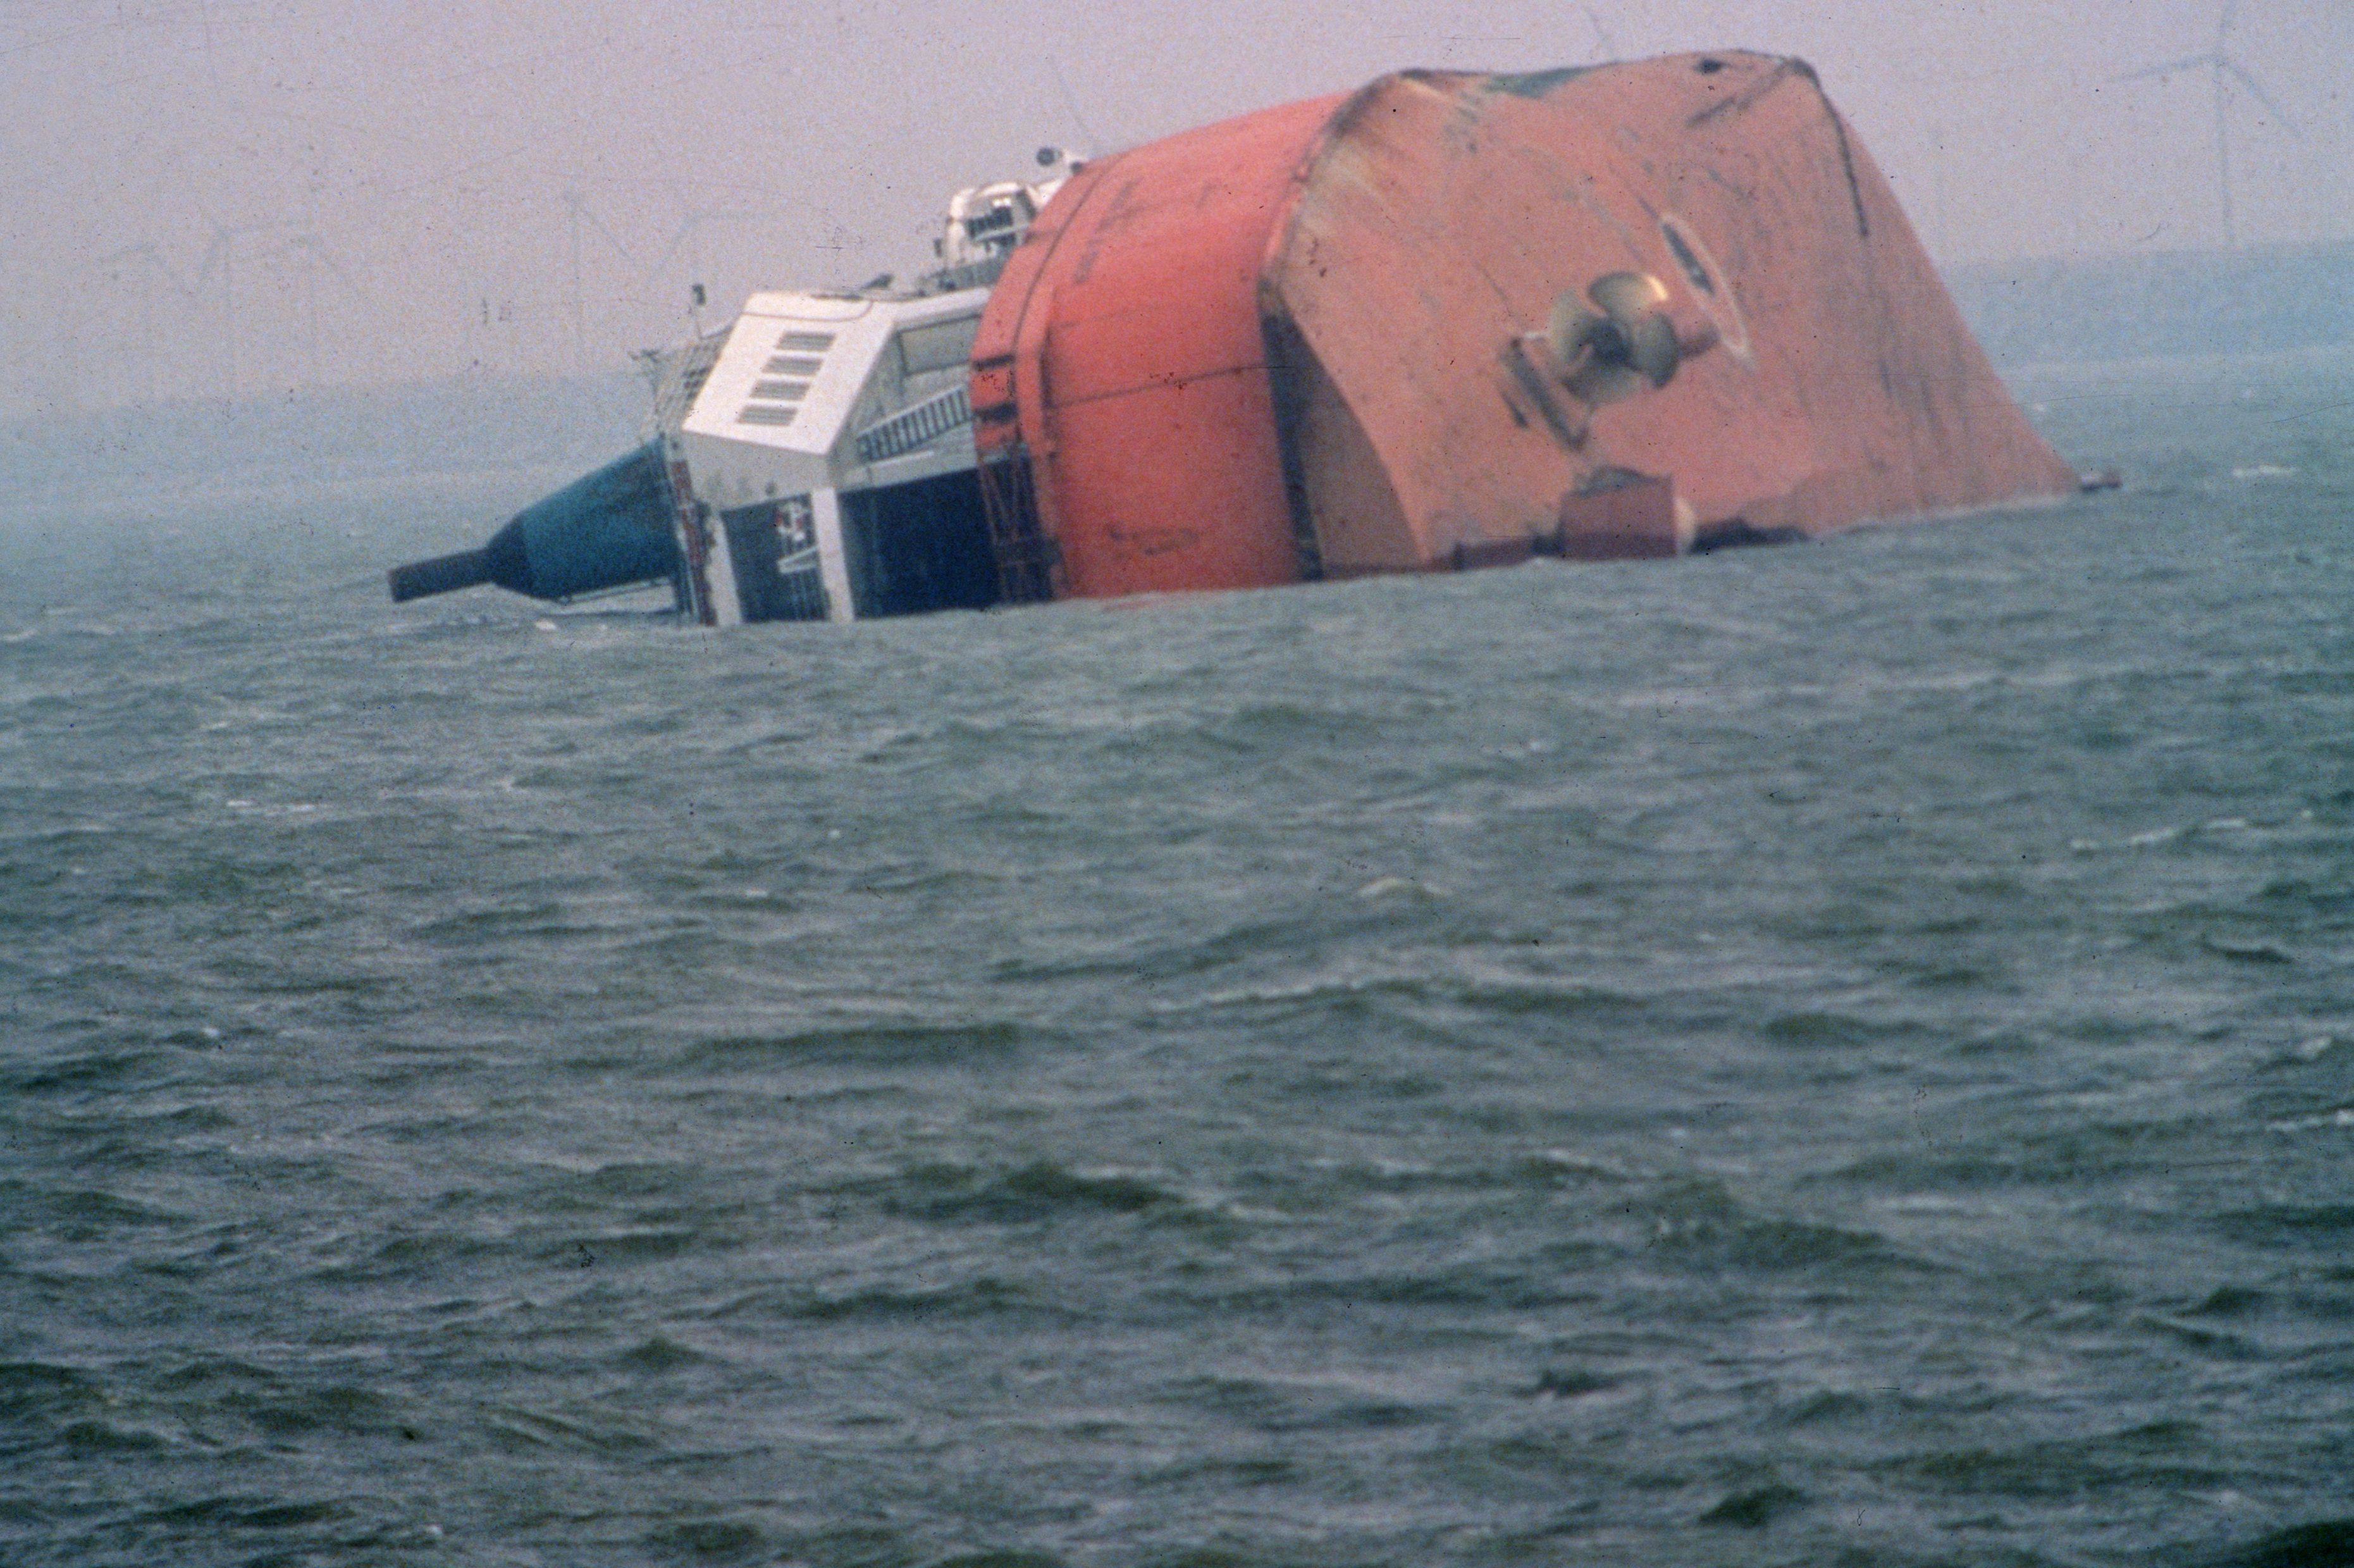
pixel 605 530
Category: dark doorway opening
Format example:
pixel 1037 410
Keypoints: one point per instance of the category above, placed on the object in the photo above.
pixel 918 546
pixel 774 548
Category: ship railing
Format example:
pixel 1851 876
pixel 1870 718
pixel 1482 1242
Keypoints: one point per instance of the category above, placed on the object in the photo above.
pixel 918 424
pixel 675 377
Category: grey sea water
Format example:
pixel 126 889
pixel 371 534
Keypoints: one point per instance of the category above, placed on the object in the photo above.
pixel 1842 1053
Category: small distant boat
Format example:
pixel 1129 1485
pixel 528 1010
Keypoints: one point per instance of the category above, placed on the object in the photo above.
pixel 1449 321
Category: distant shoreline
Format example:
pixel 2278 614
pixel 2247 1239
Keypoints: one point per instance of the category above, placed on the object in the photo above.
pixel 2178 305
pixel 2027 314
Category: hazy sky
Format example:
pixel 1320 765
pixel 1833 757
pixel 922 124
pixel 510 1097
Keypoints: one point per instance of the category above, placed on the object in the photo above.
pixel 202 195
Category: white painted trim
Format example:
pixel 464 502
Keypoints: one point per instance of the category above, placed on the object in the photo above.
pixel 832 565
pixel 727 605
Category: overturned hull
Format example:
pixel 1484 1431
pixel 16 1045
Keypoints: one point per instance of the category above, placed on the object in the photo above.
pixel 1325 340
pixel 1449 321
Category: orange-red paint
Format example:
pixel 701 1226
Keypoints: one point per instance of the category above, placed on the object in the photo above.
pixel 1283 346
pixel 1123 339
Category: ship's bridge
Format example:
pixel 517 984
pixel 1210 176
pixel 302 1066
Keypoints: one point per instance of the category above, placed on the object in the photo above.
pixel 828 456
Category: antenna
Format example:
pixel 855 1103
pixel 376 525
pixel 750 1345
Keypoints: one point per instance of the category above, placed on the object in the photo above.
pixel 579 304
pixel 576 206
pixel 1071 107
pixel 2222 71
pixel 690 228
pixel 1606 45
pixel 222 252
pixel 644 273
pixel 316 256
pixel 219 256
pixel 144 251
pixel 1938 184
pixel 313 249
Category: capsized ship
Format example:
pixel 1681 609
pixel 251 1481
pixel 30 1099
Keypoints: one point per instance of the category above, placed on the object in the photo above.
pixel 812 461
pixel 1450 319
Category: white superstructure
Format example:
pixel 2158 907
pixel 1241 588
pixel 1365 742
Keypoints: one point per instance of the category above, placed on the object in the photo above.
pixel 824 465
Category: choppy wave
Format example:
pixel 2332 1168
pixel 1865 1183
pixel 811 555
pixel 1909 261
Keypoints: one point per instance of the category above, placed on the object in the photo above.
pixel 1836 1055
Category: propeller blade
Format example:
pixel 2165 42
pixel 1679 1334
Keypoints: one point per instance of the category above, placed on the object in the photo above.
pixel 1627 297
pixel 2281 117
pixel 1638 305
pixel 1572 329
pixel 1629 345
pixel 2193 62
pixel 1653 349
pixel 1598 381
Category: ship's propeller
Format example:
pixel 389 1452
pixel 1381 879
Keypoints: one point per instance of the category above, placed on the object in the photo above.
pixel 1624 344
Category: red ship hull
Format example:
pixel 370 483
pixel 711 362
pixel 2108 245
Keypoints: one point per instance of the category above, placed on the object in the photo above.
pixel 1300 344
